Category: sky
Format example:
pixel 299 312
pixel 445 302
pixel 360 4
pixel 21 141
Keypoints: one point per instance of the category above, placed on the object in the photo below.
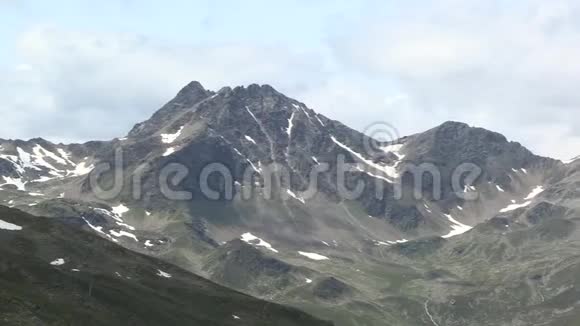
pixel 73 71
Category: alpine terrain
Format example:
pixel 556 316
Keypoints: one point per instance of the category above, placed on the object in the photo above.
pixel 258 193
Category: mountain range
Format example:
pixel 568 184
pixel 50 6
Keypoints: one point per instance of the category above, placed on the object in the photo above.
pixel 257 192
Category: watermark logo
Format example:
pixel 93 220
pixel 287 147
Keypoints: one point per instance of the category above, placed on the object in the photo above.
pixel 349 173
pixel 379 135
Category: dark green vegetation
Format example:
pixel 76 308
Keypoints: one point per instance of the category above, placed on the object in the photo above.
pixel 101 283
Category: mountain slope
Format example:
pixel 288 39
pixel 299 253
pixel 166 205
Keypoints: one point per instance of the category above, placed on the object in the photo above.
pixel 52 274
pixel 417 239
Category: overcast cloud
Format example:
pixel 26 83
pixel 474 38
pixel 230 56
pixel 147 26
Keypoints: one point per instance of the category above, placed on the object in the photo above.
pixel 512 67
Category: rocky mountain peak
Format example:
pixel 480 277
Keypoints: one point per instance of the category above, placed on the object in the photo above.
pixel 194 103
pixel 256 89
pixel 193 90
pixel 452 130
pixel 467 143
pixel 452 125
pixel 186 99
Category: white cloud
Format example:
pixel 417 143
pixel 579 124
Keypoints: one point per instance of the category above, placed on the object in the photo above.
pixel 74 83
pixel 510 67
pixel 23 67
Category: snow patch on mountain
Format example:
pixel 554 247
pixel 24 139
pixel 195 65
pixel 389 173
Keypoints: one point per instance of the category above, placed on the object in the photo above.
pixel 80 170
pixel 290 125
pixel 46 164
pixel 457 227
pixel 163 274
pixel 538 190
pixel 169 151
pixel 293 195
pixel 66 156
pixel 122 233
pixel 390 171
pixel 9 226
pixel 395 149
pixel 313 256
pixel 253 116
pixel 254 240
pixel 359 168
pixel 513 207
pixel 259 170
pixel 98 229
pixel 468 188
pixel 20 185
pixel 40 153
pixel 319 121
pixel 120 209
pixel 26 159
pixel 528 200
pixel 388 242
pixel 170 138
pixel 250 139
pixel 125 225
pixel 14 160
pixel 58 262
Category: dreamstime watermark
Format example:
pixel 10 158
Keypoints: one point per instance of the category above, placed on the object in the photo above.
pixel 378 136
pixel 380 168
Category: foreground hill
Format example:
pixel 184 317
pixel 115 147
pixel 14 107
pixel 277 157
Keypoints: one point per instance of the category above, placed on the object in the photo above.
pixel 52 274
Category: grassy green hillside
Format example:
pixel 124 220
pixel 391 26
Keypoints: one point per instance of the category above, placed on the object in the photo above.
pixel 53 274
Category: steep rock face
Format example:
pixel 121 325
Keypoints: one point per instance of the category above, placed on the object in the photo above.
pixel 191 95
pixel 259 135
pixel 456 142
pixel 504 165
pixel 242 129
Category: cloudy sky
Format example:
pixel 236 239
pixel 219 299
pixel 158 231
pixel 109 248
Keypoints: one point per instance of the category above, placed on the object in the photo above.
pixel 79 70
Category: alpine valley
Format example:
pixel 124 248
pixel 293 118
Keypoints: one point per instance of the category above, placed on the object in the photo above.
pixel 71 254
